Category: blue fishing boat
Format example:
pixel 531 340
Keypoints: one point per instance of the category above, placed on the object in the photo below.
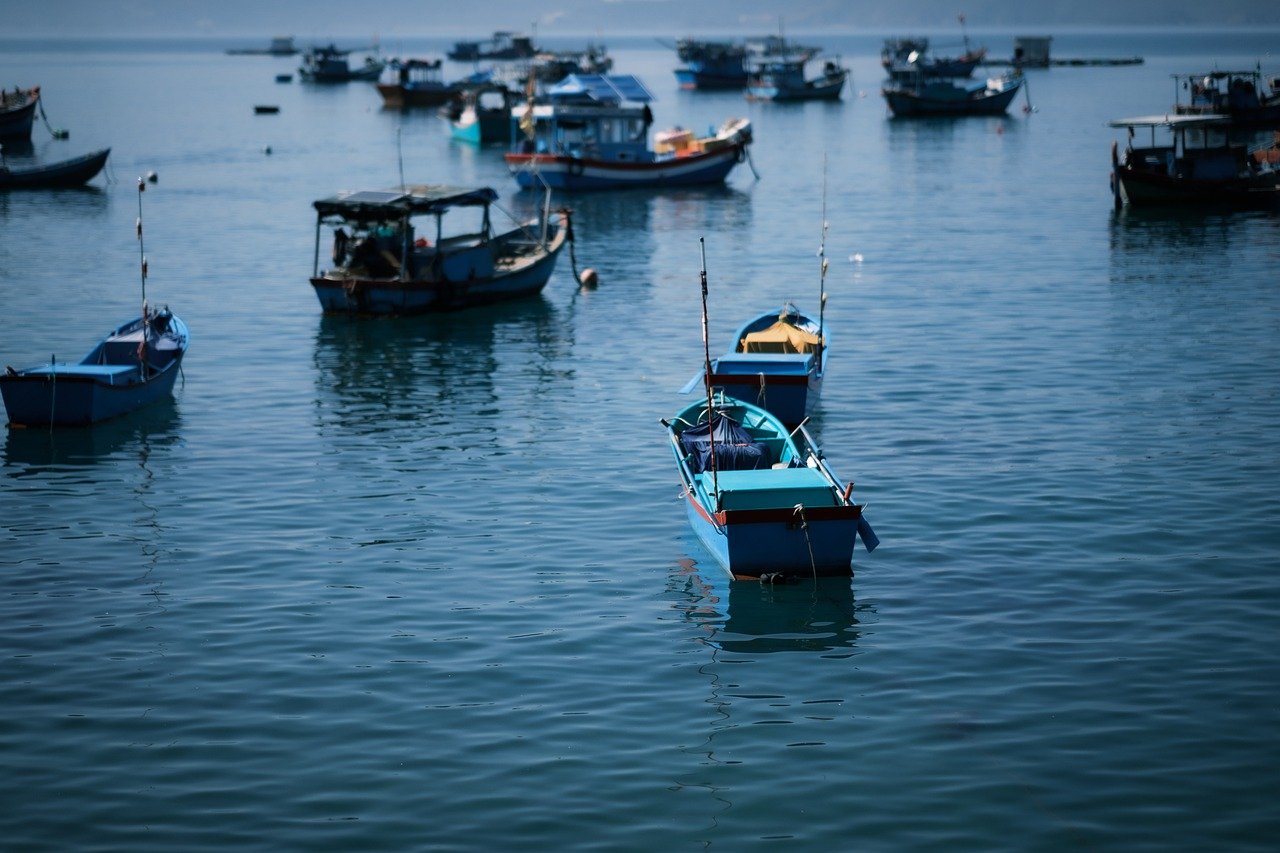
pixel 329 65
pixel 592 134
pixel 909 58
pixel 945 97
pixel 135 364
pixel 18 112
pixel 761 499
pixel 381 266
pixel 777 362
pixel 783 79
pixel 72 172
pixel 711 64
pixel 483 114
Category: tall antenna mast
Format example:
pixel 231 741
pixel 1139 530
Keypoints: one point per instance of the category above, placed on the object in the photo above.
pixel 822 257
pixel 706 362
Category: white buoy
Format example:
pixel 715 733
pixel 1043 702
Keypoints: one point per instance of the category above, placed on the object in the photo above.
pixel 589 278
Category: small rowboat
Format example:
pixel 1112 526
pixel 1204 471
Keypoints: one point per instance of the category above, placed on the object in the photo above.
pixel 64 173
pixel 762 500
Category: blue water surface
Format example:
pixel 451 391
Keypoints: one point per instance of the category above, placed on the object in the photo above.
pixel 426 583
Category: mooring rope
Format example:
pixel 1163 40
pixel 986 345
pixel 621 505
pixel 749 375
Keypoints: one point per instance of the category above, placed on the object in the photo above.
pixel 804 525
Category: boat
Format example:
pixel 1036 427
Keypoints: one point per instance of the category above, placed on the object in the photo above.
pixel 783 79
pixel 279 46
pixel 502 45
pixel 483 114
pixel 1205 159
pixel 266 109
pixel 135 364
pixel 554 66
pixel 18 112
pixel 777 362
pixel 72 172
pixel 329 64
pixel 381 266
pixel 945 97
pixel 592 134
pixel 711 64
pixel 416 83
pixel 907 59
pixel 761 498
pixel 1237 94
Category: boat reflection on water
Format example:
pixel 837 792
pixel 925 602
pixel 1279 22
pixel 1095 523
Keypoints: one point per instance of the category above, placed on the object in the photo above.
pixel 752 618
pixel 36 450
pixel 373 376
pixel 1193 231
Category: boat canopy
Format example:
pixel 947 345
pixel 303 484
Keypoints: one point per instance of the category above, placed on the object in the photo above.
pixel 397 203
pixel 601 88
pixel 780 337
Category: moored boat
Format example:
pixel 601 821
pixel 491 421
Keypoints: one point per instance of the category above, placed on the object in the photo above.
pixel 18 112
pixel 135 364
pixel 783 79
pixel 711 64
pixel 1236 94
pixel 279 46
pixel 501 46
pixel 946 97
pixel 909 58
pixel 1205 160
pixel 381 266
pixel 329 64
pixel 777 362
pixel 592 133
pixel 416 83
pixel 762 499
pixel 483 114
pixel 72 172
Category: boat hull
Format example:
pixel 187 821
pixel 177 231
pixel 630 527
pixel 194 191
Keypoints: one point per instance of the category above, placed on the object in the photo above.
pixel 827 89
pixel 788 397
pixel 692 78
pixel 574 174
pixel 1153 189
pixel 398 96
pixel 906 103
pixel 16 123
pixel 393 297
pixel 751 543
pixel 483 129
pixel 66 173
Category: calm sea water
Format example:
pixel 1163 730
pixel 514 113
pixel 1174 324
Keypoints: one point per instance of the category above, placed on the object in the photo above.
pixel 426 583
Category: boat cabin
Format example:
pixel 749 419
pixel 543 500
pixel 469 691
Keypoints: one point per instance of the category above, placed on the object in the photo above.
pixel 1198 147
pixel 374 234
pixel 596 117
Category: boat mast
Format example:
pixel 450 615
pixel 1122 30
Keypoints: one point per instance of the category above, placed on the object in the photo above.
pixel 706 361
pixel 822 273
pixel 142 268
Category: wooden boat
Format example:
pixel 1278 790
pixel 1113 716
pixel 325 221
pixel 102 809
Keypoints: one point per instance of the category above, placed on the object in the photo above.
pixel 417 83
pixel 761 499
pixel 906 59
pixel 135 364
pixel 483 114
pixel 382 267
pixel 592 134
pixel 711 64
pixel 64 173
pixel 279 46
pixel 782 79
pixel 944 97
pixel 777 362
pixel 502 45
pixel 330 65
pixel 1203 161
pixel 1236 94
pixel 18 112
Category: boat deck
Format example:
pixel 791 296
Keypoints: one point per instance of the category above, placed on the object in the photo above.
pixel 771 488
pixel 764 362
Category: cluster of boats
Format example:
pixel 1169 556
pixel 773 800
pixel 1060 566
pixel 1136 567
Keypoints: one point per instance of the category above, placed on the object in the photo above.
pixel 18 109
pixel 770 68
pixel 1221 145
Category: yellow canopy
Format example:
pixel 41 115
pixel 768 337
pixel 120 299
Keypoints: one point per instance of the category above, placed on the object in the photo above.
pixel 780 337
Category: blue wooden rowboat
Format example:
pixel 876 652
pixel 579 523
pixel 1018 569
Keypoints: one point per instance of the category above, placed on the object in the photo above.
pixel 382 267
pixel 777 362
pixel 63 173
pixel 135 364
pixel 764 502
pixel 592 134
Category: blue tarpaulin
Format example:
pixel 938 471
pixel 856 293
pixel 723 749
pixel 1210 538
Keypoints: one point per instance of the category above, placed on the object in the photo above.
pixel 736 450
